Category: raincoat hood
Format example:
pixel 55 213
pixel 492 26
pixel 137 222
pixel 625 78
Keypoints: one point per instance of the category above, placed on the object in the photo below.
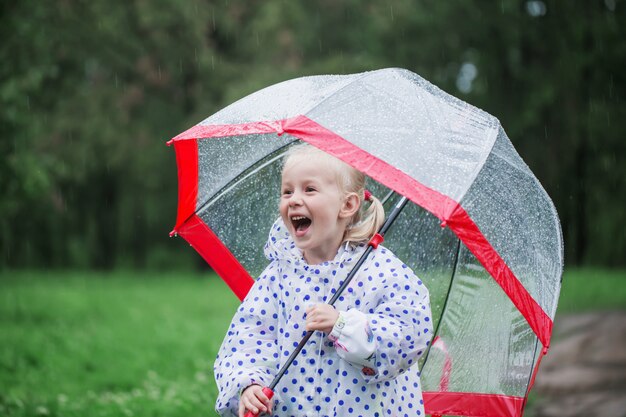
pixel 280 246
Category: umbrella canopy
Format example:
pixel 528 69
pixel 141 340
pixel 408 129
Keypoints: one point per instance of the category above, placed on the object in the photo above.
pixel 481 232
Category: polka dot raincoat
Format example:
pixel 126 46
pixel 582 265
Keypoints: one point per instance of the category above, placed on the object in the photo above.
pixel 367 366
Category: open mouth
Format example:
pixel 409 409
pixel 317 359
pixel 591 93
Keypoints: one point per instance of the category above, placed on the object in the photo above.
pixel 300 224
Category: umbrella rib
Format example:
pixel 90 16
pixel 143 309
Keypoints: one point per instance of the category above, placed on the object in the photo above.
pixel 245 174
pixel 364 75
pixel 481 165
pixel 445 303
pixel 532 369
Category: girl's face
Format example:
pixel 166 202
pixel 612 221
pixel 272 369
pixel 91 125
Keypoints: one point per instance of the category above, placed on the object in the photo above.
pixel 314 209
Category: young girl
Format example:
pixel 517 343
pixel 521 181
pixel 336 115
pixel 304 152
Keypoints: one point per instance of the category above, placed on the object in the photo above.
pixel 362 361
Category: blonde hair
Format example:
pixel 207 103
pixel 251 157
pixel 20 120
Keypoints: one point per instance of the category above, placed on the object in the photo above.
pixel 365 222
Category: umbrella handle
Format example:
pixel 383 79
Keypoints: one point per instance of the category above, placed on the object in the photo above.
pixel 269 394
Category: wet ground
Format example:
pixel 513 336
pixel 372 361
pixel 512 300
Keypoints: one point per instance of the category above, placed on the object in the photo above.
pixel 584 373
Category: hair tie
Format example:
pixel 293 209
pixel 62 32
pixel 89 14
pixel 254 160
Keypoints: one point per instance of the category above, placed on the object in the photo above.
pixel 368 195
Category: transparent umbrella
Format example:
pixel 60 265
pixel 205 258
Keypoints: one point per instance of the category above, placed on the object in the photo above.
pixel 480 230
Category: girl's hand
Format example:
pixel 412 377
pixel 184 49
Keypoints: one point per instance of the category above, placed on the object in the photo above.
pixel 253 399
pixel 321 317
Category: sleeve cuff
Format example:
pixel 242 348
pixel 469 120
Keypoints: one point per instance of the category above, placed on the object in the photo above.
pixel 338 327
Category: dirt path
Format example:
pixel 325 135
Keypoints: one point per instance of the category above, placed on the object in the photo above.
pixel 584 373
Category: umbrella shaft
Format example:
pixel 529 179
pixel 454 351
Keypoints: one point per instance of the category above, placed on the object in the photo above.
pixel 392 216
pixel 383 229
pixel 293 355
pixel 350 275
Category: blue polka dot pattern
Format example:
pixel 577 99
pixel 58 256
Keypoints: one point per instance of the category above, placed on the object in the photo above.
pixel 271 321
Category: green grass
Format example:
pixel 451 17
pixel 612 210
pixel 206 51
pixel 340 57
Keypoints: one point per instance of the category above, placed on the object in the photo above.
pixel 592 289
pixel 123 344
pixel 110 345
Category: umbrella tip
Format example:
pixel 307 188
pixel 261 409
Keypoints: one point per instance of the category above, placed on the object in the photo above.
pixel 173 233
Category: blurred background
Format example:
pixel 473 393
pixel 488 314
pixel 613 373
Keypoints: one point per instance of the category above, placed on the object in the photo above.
pixel 90 91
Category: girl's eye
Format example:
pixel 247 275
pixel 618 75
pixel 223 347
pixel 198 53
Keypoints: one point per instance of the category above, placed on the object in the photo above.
pixel 310 189
pixel 287 192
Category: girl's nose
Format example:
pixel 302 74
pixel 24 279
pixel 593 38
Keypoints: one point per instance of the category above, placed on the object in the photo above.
pixel 295 200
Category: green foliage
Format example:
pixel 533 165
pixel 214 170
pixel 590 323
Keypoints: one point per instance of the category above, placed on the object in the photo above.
pixel 90 92
pixel 94 93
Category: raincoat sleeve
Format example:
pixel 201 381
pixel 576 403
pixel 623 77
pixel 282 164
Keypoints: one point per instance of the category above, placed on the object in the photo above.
pixel 249 353
pixel 392 333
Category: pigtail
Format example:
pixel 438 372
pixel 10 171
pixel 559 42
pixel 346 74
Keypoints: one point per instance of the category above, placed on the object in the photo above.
pixel 366 225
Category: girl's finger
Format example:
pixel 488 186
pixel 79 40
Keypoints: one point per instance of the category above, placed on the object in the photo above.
pixel 248 406
pixel 258 404
pixel 263 398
